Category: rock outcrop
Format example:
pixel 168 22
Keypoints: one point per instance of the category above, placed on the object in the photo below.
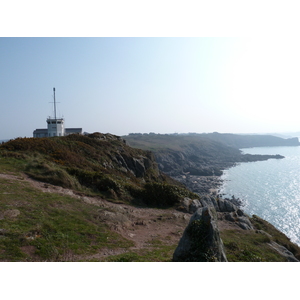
pixel 201 239
pixel 226 209
pixel 283 252
pixel 200 154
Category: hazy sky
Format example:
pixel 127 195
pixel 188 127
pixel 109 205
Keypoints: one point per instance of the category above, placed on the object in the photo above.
pixel 162 85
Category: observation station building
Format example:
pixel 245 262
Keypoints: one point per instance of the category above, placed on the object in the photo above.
pixel 55 127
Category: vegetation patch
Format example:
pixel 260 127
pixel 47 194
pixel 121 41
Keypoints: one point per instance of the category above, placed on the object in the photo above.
pixel 95 164
pixel 277 236
pixel 248 246
pixel 55 228
pixel 156 252
pixel 164 195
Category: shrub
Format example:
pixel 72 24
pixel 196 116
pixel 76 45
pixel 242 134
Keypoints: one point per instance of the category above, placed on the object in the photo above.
pixel 164 195
pixel 50 173
pixel 95 180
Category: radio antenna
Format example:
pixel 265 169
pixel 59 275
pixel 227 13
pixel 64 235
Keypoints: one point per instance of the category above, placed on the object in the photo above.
pixel 54 104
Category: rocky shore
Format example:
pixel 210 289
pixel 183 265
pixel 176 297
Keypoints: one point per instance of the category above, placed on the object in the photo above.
pixel 201 185
pixel 198 161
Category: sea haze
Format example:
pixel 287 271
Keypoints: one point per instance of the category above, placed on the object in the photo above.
pixel 270 189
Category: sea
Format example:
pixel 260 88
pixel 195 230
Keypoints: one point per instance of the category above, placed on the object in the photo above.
pixel 269 189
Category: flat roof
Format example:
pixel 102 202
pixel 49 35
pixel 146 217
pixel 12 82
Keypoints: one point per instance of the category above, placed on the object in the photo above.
pixel 42 130
pixel 73 129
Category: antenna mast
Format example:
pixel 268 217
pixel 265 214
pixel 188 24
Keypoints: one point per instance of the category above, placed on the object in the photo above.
pixel 54 104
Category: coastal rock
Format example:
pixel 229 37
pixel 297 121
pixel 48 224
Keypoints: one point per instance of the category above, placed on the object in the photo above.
pixel 185 204
pixel 244 223
pixel 240 219
pixel 201 239
pixel 221 205
pixel 195 204
pixel 283 251
pixel 230 206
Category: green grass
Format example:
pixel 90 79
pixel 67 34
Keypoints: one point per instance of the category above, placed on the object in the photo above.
pixel 248 246
pixel 277 236
pixel 157 251
pixel 252 245
pixel 57 227
pixel 87 164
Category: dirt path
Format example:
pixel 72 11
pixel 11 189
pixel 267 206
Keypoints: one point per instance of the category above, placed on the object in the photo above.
pixel 140 225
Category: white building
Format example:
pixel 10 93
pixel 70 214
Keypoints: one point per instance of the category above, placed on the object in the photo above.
pixel 56 126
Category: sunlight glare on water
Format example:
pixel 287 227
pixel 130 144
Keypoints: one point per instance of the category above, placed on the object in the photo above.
pixel 269 189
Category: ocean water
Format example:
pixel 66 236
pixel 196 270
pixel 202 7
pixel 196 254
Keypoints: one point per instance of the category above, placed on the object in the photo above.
pixel 269 189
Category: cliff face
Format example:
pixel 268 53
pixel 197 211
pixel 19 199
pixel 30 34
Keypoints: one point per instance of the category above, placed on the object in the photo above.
pixel 194 160
pixel 220 231
pixel 177 155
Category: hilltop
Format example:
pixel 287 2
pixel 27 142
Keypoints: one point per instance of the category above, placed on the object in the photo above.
pixel 97 164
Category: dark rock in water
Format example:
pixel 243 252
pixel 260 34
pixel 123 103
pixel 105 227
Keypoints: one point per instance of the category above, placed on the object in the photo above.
pixel 201 239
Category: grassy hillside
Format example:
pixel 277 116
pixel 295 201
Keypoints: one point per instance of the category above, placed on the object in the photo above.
pixel 49 227
pixel 39 226
pixel 157 142
pixel 96 164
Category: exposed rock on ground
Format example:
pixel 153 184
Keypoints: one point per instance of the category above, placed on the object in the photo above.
pixel 201 239
pixel 284 252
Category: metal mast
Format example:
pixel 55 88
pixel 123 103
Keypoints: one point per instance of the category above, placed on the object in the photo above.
pixel 54 104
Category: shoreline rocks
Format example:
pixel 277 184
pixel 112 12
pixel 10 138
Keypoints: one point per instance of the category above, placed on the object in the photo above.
pixel 201 185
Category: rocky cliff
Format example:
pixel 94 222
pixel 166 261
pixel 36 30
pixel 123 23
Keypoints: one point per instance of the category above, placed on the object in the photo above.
pixel 194 160
pixel 219 231
pixel 225 231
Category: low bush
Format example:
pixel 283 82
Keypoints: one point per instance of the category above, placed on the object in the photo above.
pixel 95 180
pixel 50 173
pixel 164 195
